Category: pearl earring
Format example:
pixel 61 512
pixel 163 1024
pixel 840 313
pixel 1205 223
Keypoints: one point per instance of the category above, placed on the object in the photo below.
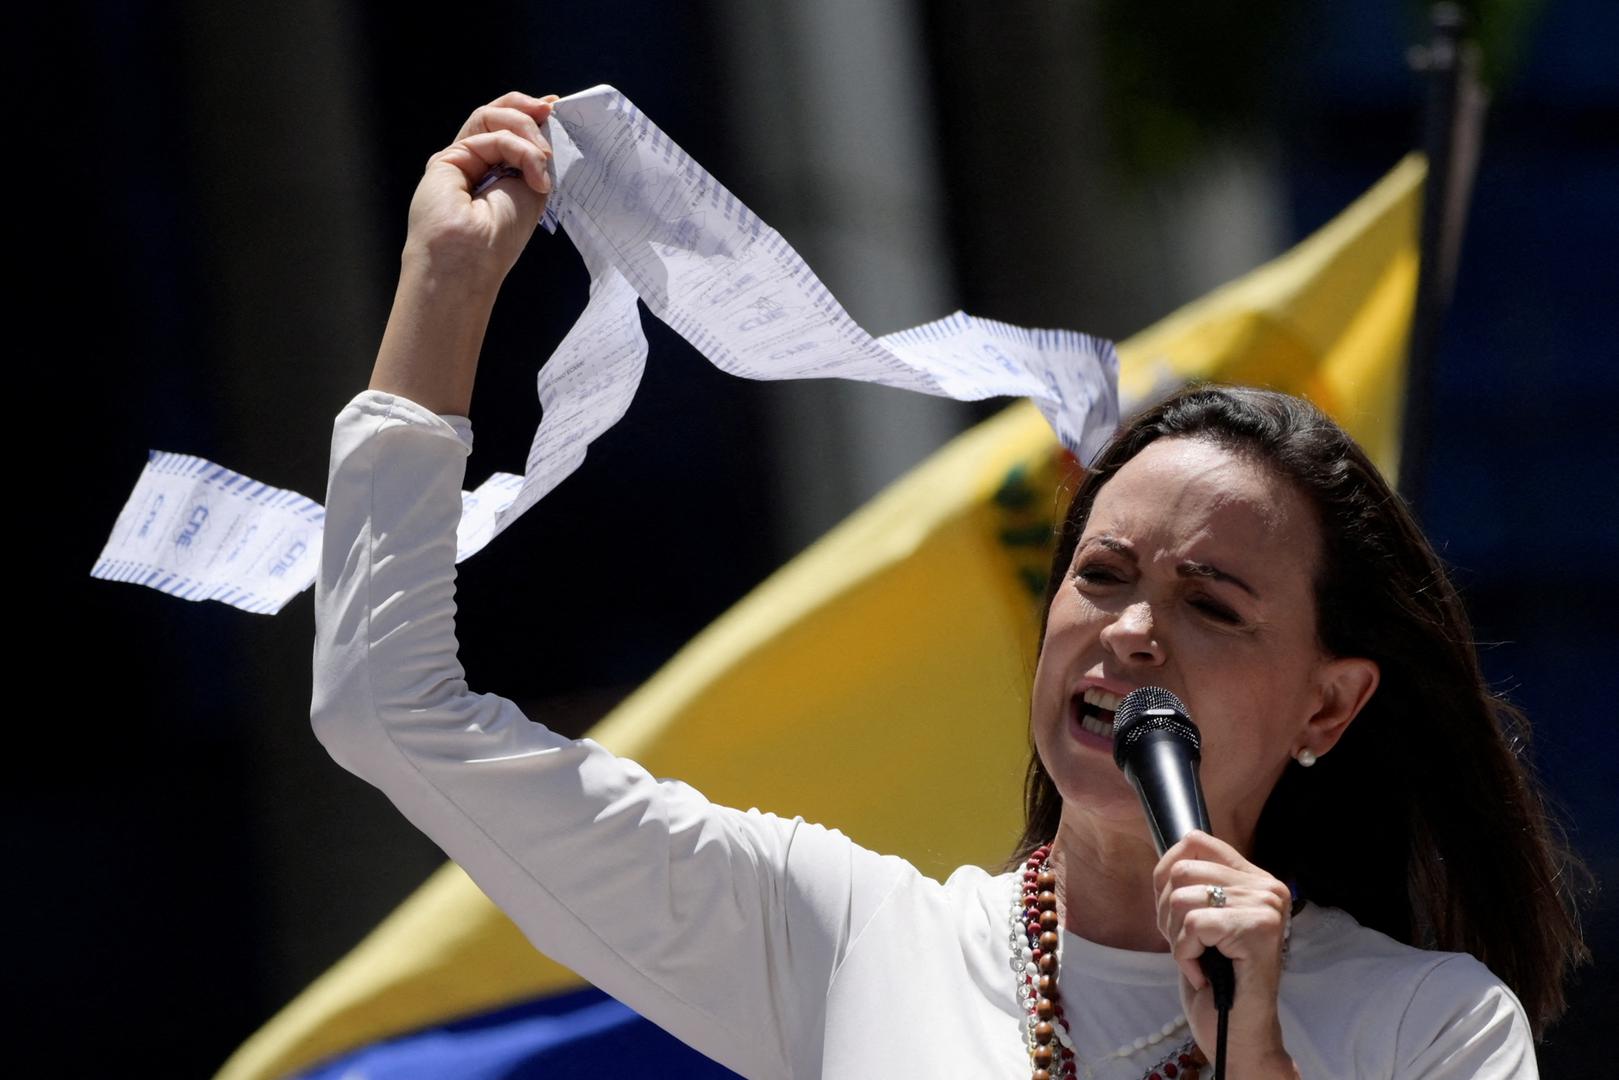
pixel 1306 757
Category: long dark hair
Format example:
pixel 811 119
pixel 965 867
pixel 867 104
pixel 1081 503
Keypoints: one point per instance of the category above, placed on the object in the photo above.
pixel 1461 857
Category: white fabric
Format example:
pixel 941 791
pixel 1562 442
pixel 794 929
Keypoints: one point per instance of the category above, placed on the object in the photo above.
pixel 777 947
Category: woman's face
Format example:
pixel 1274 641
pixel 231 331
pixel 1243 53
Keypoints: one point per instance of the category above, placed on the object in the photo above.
pixel 1195 573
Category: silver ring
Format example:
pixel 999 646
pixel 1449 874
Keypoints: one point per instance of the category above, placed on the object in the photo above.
pixel 1216 896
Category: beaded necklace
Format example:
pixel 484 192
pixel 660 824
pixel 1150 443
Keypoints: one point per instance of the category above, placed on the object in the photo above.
pixel 1036 946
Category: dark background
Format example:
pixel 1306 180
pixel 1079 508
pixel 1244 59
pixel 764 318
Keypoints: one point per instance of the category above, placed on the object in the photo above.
pixel 210 200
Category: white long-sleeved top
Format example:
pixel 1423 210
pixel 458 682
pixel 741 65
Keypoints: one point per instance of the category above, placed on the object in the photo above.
pixel 778 947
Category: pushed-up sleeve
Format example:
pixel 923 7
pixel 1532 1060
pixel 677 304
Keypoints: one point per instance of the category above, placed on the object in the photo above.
pixel 724 927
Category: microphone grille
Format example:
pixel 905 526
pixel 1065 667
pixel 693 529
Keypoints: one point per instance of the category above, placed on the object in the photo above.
pixel 1144 711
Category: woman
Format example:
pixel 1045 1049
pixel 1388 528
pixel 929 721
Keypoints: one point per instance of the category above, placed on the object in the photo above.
pixel 1232 547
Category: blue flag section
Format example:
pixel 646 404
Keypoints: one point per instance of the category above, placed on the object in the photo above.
pixel 580 1034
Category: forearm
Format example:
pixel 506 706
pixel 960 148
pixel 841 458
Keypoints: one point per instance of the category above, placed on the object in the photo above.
pixel 429 351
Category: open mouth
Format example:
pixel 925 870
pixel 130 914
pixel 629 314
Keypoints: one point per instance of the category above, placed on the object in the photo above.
pixel 1095 712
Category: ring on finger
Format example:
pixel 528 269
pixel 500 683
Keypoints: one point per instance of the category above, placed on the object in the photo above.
pixel 1216 895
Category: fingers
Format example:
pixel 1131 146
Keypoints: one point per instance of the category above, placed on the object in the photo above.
pixel 1200 845
pixel 1247 906
pixel 537 109
pixel 1186 886
pixel 489 131
pixel 1209 852
pixel 1187 872
pixel 1246 931
pixel 1250 930
pixel 1248 925
pixel 476 154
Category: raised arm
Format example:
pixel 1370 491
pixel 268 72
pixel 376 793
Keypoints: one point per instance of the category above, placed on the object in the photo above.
pixel 459 249
pixel 724 927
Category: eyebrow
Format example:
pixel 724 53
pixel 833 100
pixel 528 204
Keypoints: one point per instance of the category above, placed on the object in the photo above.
pixel 1214 573
pixel 1187 567
pixel 1114 545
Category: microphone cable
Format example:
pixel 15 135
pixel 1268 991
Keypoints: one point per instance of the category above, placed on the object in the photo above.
pixel 1224 984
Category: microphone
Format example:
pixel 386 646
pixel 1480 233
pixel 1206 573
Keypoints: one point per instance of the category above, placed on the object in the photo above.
pixel 1157 746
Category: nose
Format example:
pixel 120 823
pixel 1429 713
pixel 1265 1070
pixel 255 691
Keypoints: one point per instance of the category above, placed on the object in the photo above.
pixel 1133 635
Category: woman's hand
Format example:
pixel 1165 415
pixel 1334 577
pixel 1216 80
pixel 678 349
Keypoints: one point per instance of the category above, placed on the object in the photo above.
pixel 1250 929
pixel 479 238
pixel 459 249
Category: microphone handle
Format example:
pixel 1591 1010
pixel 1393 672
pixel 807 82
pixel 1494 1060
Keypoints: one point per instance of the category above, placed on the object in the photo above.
pixel 1165 777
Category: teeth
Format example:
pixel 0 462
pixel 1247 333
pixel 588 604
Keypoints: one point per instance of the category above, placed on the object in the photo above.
pixel 1102 699
pixel 1095 726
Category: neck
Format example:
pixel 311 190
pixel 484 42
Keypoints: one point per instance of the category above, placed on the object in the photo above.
pixel 1104 880
pixel 1104 884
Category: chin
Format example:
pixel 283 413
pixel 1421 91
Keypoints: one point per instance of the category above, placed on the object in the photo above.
pixel 1087 781
pixel 1112 801
pixel 1103 824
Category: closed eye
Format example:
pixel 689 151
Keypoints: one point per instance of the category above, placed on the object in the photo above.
pixel 1097 575
pixel 1216 611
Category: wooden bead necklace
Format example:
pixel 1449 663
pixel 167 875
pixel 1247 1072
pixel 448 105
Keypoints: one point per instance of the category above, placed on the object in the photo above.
pixel 1036 941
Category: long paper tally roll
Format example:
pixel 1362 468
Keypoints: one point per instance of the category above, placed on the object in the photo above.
pixel 651 225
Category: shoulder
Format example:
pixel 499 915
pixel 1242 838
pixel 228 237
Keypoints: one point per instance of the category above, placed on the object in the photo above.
pixel 971 906
pixel 960 924
pixel 968 904
pixel 1464 1021
pixel 1435 1014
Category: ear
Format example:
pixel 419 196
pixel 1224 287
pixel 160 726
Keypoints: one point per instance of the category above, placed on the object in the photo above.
pixel 1345 685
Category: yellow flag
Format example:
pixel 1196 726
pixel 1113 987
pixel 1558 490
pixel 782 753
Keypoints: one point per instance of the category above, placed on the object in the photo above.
pixel 878 683
pixel 1327 320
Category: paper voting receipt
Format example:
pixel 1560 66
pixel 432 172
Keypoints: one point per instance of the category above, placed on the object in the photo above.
pixel 652 226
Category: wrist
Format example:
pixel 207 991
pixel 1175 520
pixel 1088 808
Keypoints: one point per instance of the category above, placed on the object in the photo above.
pixel 429 350
pixel 1280 1068
pixel 444 276
pixel 1274 1065
pixel 1258 1050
